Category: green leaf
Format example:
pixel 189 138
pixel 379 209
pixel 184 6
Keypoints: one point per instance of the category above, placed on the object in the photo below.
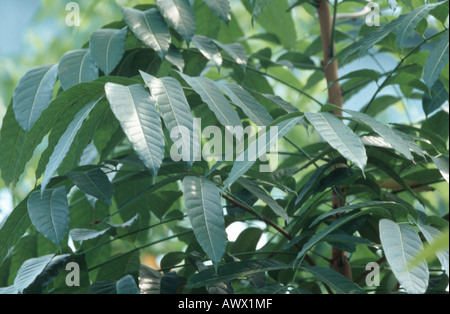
pixel 33 94
pixel 51 271
pixel 140 121
pixel 339 283
pixel 30 270
pixel 127 285
pixel 439 95
pixel 401 244
pixel 395 140
pixel 319 236
pixel 255 151
pixel 309 187
pixel 258 6
pixel 274 18
pixel 281 103
pixel 392 4
pixel 80 235
pixel 437 60
pixel 64 143
pixel 207 47
pixel 432 234
pixel 236 51
pixel 76 67
pixel 93 182
pixel 149 27
pixel 221 8
pixel 180 16
pixel 154 282
pixel 388 205
pixel 244 100
pixel 339 136
pixel 13 228
pixel 49 213
pixel 103 287
pixel 234 270
pixel 107 47
pixel 204 209
pixel 263 196
pixel 410 22
pixel 442 164
pixel 215 100
pixel 175 57
pixel 175 112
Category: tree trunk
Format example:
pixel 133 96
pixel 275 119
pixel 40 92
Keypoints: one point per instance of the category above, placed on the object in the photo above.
pixel 339 260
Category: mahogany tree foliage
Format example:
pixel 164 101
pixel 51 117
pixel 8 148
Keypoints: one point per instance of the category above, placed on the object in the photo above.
pixel 120 177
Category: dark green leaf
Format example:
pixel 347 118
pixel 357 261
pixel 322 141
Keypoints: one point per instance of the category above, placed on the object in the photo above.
pixel 234 270
pixel 244 100
pixel 207 47
pixel 334 280
pixel 437 60
pixel 204 208
pixel 126 285
pixel 49 213
pixel 439 96
pixel 256 150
